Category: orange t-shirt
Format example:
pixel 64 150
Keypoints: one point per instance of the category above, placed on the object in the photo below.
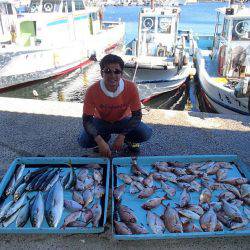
pixel 110 109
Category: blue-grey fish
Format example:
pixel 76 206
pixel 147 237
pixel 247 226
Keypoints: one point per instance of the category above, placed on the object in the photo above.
pixel 185 198
pixel 54 205
pixel 171 191
pixel 205 196
pixel 189 227
pixel 77 196
pixel 99 191
pixel 37 211
pixel 11 186
pixel 65 178
pixel 233 189
pixel 119 191
pixel 19 172
pixel 23 215
pixel 19 191
pixel 53 181
pixel 11 218
pixel 245 190
pixel 147 192
pixel 148 181
pixel 87 216
pixel 189 214
pixel 72 179
pixel 5 209
pixel 16 205
pixel 154 202
pixel 126 178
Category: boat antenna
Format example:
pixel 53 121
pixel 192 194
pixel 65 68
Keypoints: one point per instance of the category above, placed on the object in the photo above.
pixel 152 4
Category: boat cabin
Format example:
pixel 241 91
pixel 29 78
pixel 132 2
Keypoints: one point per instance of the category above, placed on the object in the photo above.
pixel 157 32
pixel 7 22
pixel 231 41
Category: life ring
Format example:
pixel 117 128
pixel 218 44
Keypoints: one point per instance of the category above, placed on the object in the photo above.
pixel 241 28
pixel 148 23
pixel 48 7
pixel 34 8
pixel 221 59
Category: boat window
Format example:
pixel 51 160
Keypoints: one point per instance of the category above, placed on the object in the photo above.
pixel 225 28
pixel 241 30
pixel 148 24
pixel 34 4
pixel 69 4
pixel 79 5
pixel 164 25
pixel 50 6
pixel 9 9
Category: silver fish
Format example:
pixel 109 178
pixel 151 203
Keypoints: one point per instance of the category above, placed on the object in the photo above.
pixel 246 211
pixel 19 172
pixel 19 191
pixel 72 179
pixel 53 181
pixel 37 211
pixel 16 205
pixel 64 179
pixel 23 215
pixel 121 228
pixel 133 189
pixel 11 186
pixel 54 205
pixel 155 223
pixel 172 220
pixel 195 208
pixel 237 225
pixel 226 195
pixel 97 214
pixel 5 209
pixel 11 219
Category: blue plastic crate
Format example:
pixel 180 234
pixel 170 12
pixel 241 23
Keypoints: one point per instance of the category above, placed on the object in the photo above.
pixel 122 165
pixel 57 161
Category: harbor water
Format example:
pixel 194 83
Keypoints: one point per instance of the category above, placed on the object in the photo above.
pixel 200 17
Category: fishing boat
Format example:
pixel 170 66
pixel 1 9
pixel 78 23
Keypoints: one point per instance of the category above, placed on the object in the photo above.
pixel 160 59
pixel 224 68
pixel 49 38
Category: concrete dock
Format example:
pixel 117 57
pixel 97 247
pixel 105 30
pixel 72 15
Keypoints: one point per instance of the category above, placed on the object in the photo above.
pixel 32 127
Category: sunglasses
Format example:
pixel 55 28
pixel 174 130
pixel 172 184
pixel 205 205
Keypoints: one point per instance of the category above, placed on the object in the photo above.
pixel 109 71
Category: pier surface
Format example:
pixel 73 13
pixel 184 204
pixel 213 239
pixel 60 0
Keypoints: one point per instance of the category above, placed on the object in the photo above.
pixel 32 127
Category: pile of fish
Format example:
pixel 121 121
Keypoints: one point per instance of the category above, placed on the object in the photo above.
pixel 176 197
pixel 66 196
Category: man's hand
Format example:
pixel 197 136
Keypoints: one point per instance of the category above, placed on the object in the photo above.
pixel 118 143
pixel 103 147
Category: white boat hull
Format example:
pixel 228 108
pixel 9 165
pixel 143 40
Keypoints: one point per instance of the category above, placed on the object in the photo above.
pixel 156 81
pixel 222 98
